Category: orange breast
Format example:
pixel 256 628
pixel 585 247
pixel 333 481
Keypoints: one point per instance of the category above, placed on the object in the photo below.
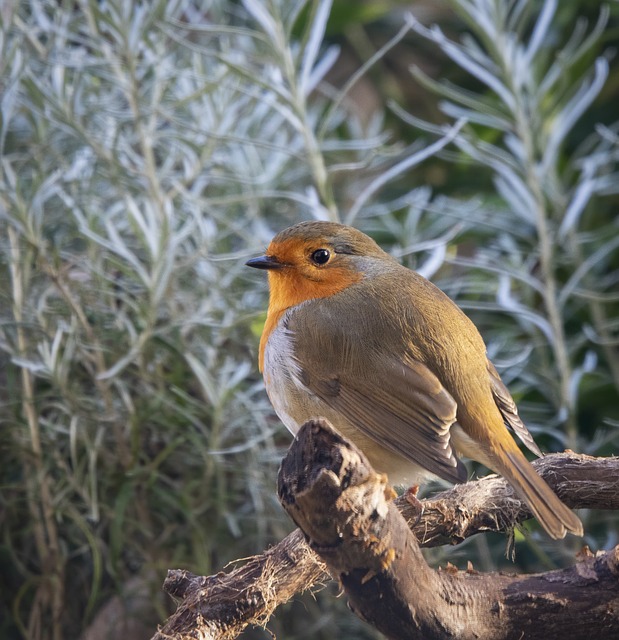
pixel 289 287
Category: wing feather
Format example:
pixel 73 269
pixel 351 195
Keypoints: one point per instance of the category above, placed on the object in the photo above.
pixel 509 411
pixel 403 407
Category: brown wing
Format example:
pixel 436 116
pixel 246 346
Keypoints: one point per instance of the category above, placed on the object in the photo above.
pixel 509 410
pixel 403 406
pixel 363 362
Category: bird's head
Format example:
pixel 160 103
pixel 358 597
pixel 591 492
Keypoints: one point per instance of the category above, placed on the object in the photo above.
pixel 316 260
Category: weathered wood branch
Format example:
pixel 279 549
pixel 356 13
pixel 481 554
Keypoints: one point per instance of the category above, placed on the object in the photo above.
pixel 346 511
pixel 490 504
pixel 221 606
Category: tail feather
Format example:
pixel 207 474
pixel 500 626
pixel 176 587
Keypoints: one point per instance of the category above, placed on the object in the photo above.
pixel 554 516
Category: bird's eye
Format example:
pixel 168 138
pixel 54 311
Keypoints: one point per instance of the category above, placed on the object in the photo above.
pixel 321 256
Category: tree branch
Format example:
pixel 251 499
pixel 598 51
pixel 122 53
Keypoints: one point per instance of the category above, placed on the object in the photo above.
pixel 346 511
pixel 490 504
pixel 221 606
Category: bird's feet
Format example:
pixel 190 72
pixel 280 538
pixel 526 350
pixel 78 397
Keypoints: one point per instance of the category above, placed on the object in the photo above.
pixel 410 495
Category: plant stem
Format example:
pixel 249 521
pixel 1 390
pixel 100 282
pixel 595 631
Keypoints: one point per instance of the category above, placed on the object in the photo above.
pixel 524 129
pixel 40 501
pixel 314 154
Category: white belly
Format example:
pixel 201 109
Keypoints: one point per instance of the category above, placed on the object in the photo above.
pixel 282 379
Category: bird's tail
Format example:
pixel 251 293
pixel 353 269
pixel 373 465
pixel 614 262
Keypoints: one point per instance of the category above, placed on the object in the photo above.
pixel 556 518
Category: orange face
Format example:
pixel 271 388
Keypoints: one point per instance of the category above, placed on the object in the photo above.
pixel 309 269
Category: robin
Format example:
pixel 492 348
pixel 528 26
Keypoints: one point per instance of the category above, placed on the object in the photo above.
pixel 392 363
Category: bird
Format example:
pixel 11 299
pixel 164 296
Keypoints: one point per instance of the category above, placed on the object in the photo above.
pixel 393 363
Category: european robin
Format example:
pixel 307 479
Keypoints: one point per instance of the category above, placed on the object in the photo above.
pixel 392 362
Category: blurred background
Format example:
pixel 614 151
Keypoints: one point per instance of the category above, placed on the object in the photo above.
pixel 148 149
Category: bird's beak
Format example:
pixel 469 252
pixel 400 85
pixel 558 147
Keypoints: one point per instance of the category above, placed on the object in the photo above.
pixel 265 262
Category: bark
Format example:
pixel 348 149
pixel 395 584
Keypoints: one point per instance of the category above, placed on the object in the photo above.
pixel 221 606
pixel 346 511
pixel 490 504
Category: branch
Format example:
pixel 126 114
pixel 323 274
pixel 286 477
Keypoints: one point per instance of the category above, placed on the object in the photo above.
pixel 221 606
pixel 490 504
pixel 346 511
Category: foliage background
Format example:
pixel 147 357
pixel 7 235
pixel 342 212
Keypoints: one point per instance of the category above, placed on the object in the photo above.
pixel 148 149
